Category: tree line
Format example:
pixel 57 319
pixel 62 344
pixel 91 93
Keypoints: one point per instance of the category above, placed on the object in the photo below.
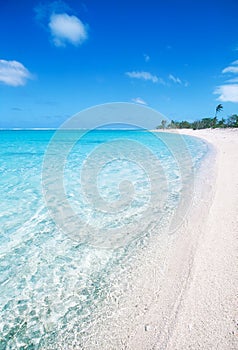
pixel 204 123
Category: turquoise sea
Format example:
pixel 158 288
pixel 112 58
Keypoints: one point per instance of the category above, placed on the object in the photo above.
pixel 74 208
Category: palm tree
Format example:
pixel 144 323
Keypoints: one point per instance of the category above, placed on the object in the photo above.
pixel 219 108
pixel 163 123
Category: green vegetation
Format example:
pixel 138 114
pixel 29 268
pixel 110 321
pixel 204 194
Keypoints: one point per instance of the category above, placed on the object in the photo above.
pixel 229 122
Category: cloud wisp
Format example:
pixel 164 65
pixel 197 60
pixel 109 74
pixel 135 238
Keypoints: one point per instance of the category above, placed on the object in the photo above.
pixel 174 79
pixel 233 80
pixel 13 73
pixel 147 76
pixel 139 100
pixel 67 29
pixel 146 57
pixel 228 92
pixel 230 69
pixel 178 81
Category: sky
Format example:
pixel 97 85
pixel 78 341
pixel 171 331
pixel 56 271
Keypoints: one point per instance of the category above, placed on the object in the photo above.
pixel 179 57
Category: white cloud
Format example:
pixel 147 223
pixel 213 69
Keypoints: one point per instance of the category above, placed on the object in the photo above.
pixel 175 79
pixel 178 81
pixel 147 58
pixel 145 76
pixel 139 100
pixel 13 73
pixel 233 68
pixel 228 93
pixel 230 69
pixel 67 29
pixel 233 80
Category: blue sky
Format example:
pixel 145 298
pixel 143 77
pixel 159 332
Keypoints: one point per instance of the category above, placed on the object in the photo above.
pixel 179 57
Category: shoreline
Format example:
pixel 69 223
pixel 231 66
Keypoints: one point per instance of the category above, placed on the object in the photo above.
pixel 208 318
pixel 177 289
pixel 185 298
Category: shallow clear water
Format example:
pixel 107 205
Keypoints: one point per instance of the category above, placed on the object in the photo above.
pixel 52 277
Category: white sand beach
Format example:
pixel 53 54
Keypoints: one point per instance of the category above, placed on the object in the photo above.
pixel 186 298
pixel 208 315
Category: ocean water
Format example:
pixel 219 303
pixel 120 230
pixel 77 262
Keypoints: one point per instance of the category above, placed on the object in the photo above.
pixel 75 206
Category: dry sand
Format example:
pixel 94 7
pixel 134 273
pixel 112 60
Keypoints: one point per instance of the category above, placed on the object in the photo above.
pixel 196 306
pixel 186 298
pixel 208 317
